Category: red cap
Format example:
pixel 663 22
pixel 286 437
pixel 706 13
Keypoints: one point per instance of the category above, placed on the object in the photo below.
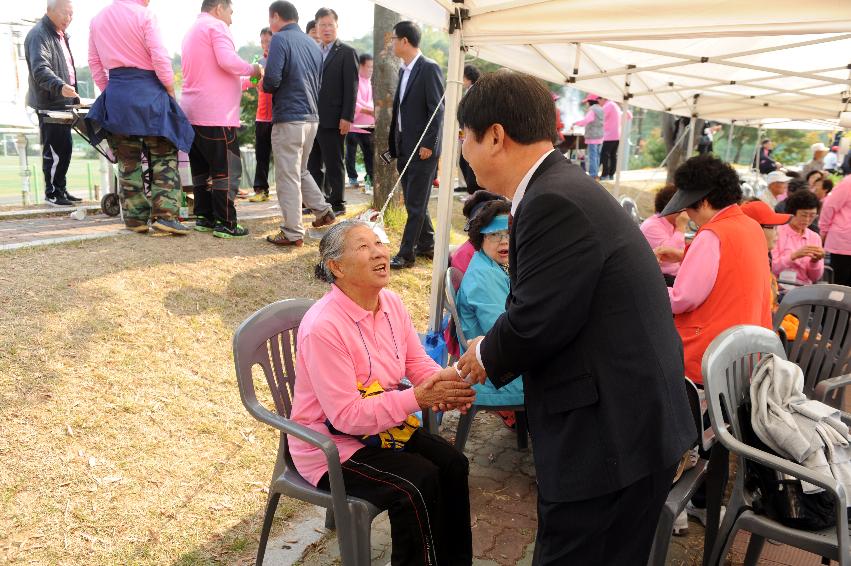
pixel 763 214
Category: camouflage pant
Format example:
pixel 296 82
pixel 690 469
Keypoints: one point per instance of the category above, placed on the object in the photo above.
pixel 162 169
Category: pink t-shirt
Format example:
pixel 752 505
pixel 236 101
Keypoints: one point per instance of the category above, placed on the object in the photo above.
pixel 835 219
pixel 789 241
pixel 364 100
pixel 460 259
pixel 697 274
pixel 126 34
pixel 612 120
pixel 660 232
pixel 339 345
pixel 211 74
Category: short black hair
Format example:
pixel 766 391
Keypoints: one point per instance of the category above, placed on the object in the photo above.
pixel 484 217
pixel 815 172
pixel 471 205
pixel 707 171
pixel 472 73
pixel 827 186
pixel 309 26
pixel 796 185
pixel 410 31
pixel 363 58
pixel 210 5
pixel 266 31
pixel 285 10
pixel 765 141
pixel 793 174
pixel 521 104
pixel 802 200
pixel 323 12
pixel 663 197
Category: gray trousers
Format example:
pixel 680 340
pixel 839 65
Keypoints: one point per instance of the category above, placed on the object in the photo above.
pixel 291 144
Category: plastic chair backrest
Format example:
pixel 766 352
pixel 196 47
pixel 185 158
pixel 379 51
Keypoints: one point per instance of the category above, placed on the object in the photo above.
pixel 268 339
pixel 727 367
pixel 822 346
pixel 631 208
pixel 451 285
pixel 694 405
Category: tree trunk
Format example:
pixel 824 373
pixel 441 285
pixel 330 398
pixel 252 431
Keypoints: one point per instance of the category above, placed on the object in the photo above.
pixel 384 79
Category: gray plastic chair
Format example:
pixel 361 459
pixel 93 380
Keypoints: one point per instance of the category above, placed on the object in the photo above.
pixel 823 345
pixel 268 339
pixel 727 367
pixel 465 422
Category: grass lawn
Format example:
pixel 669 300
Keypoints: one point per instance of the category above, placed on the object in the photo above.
pixel 10 177
pixel 122 435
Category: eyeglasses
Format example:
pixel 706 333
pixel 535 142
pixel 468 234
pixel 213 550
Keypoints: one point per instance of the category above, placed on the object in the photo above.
pixel 498 236
pixel 802 214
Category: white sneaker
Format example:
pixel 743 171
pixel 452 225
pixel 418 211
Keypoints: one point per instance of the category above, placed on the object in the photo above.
pixel 681 525
pixel 700 514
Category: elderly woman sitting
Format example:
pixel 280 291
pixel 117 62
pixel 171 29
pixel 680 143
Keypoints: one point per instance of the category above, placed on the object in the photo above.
pixel 484 289
pixel 666 231
pixel 798 249
pixel 355 345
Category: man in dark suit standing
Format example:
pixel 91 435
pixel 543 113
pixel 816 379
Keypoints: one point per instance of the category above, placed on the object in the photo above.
pixel 589 325
pixel 337 97
pixel 418 96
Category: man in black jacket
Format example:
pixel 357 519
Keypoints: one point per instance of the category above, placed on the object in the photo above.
pixel 588 324
pixel 52 86
pixel 417 100
pixel 337 97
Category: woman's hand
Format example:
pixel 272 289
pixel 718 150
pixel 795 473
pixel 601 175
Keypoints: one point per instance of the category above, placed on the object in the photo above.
pixel 668 254
pixel 815 253
pixel 445 390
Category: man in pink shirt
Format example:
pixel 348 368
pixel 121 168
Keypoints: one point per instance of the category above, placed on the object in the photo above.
pixel 211 96
pixel 137 113
pixel 835 229
pixel 611 138
pixel 364 122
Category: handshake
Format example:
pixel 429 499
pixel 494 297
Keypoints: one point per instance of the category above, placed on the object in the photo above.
pixel 451 388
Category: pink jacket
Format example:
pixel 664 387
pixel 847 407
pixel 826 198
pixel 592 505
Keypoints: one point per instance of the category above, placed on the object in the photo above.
pixel 660 232
pixel 339 345
pixel 364 100
pixel 789 241
pixel 612 120
pixel 126 34
pixel 211 74
pixel 835 220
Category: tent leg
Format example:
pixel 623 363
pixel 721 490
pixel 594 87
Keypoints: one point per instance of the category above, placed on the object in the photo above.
pixel 730 141
pixel 449 144
pixel 623 148
pixel 755 160
pixel 690 146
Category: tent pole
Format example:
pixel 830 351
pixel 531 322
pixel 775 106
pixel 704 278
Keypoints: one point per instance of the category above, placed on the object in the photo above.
pixel 690 146
pixel 729 141
pixel 623 148
pixel 755 160
pixel 449 145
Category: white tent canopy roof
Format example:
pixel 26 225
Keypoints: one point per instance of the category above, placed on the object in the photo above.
pixel 718 59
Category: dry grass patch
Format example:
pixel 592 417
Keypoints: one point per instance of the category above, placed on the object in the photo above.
pixel 122 435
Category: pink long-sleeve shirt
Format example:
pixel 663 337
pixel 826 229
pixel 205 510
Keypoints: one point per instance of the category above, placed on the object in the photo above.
pixel 835 219
pixel 339 345
pixel 211 74
pixel 612 120
pixel 590 116
pixel 697 273
pixel 126 34
pixel 363 101
pixel 660 232
pixel 789 241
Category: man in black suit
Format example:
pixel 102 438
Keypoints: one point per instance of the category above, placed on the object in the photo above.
pixel 337 97
pixel 418 96
pixel 588 323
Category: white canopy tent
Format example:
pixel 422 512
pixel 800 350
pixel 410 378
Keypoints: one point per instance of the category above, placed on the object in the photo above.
pixel 713 59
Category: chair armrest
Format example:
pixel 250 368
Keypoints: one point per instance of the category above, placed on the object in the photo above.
pixel 299 431
pixel 827 385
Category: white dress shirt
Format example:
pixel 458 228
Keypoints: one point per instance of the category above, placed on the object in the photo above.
pixel 403 85
pixel 515 202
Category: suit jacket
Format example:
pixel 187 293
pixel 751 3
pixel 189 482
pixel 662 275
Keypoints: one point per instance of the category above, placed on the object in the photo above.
pixel 339 89
pixel 422 95
pixel 588 323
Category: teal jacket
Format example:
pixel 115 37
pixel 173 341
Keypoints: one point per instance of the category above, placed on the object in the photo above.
pixel 481 300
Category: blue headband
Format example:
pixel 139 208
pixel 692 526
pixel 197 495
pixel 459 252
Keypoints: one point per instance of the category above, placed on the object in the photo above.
pixel 498 224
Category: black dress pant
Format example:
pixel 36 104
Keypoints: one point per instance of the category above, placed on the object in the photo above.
pixel 424 488
pixel 216 172
pixel 841 265
pixel 616 528
pixel 263 153
pixel 364 141
pixel 329 151
pixel 56 155
pixel 609 158
pixel 469 176
pixel 417 181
